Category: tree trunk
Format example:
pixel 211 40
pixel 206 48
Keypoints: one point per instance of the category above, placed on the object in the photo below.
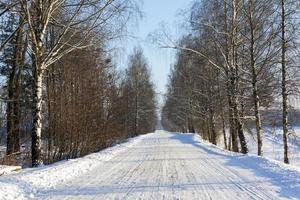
pixel 9 116
pixel 221 103
pixel 232 79
pixel 238 112
pixel 239 127
pixel 255 96
pixel 190 126
pixel 37 158
pixel 232 121
pixel 224 129
pixel 136 116
pixel 234 82
pixel 284 84
pixel 17 115
pixel 257 118
pixel 213 129
pixel 208 137
pixel 50 117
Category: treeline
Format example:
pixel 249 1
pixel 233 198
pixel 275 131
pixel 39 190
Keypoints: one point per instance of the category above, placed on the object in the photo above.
pixel 62 96
pixel 237 59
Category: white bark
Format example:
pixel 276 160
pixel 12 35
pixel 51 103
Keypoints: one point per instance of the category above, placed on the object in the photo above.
pixel 37 123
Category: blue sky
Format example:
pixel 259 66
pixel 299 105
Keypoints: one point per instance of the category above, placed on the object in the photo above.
pixel 155 13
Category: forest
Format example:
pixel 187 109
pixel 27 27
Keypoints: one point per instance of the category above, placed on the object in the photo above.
pixel 236 65
pixel 62 95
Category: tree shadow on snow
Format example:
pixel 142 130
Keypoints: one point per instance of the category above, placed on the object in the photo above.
pixel 286 179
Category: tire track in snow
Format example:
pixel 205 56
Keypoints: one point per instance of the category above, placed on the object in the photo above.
pixel 166 166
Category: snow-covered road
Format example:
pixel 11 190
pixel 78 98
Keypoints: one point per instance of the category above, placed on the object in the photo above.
pixel 169 166
pixel 166 165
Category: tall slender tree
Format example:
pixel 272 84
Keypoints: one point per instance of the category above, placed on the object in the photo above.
pixel 142 100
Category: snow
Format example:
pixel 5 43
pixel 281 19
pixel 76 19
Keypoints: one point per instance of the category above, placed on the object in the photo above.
pixel 4 170
pixel 273 144
pixel 24 185
pixel 159 165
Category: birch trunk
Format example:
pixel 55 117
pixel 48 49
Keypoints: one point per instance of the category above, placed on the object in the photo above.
pixel 232 121
pixel 284 84
pixel 235 80
pixel 257 118
pixel 238 113
pixel 37 158
pixel 255 96
pixel 232 78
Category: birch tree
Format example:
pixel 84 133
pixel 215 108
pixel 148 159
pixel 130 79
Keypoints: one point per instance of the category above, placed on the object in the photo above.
pixel 87 18
pixel 288 12
pixel 259 39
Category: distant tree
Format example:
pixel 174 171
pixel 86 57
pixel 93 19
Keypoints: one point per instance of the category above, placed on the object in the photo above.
pixel 141 95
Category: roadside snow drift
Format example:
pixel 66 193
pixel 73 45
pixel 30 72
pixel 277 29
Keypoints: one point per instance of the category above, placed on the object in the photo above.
pixel 160 165
pixel 8 169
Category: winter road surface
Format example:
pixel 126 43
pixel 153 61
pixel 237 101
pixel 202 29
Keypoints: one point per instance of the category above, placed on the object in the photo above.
pixel 166 165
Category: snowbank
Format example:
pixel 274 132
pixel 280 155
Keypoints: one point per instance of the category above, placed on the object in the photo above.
pixel 13 187
pixel 273 144
pixel 4 170
pixel 278 172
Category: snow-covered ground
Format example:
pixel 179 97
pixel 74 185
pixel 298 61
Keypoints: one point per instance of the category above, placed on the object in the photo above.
pixel 273 145
pixel 160 165
pixel 8 169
